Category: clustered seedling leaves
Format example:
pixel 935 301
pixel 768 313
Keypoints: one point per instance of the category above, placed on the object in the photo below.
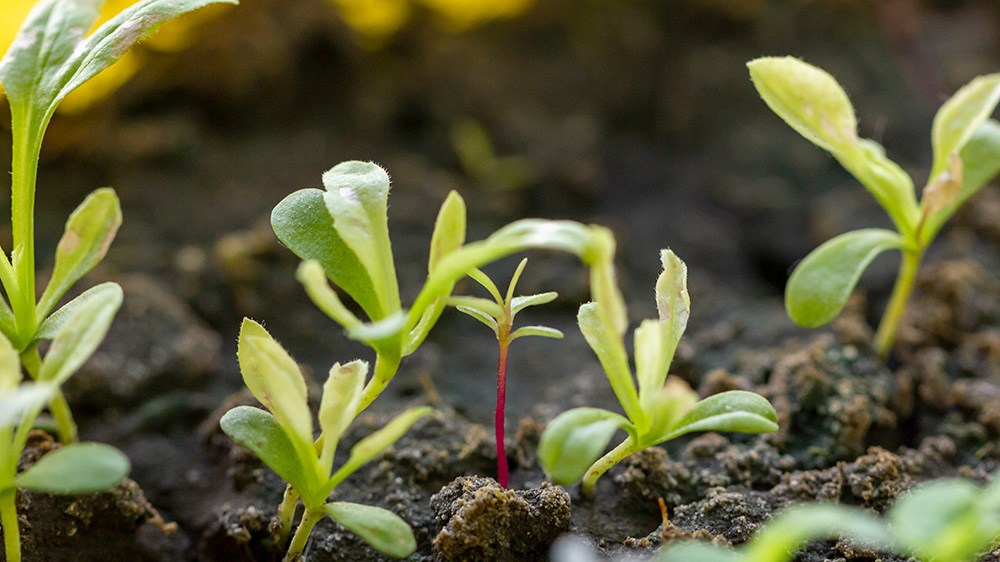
pixel 947 520
pixel 966 145
pixel 498 314
pixel 50 57
pixel 662 408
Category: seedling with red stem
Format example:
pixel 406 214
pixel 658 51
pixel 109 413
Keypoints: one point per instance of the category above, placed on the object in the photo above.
pixel 499 314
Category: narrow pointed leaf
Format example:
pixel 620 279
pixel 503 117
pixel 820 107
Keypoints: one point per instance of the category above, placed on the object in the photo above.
pixel 274 379
pixel 574 440
pixel 820 285
pixel 89 232
pixel 517 304
pixel 27 397
pixel 366 449
pixel 258 431
pixel 800 524
pixel 339 405
pixel 736 410
pixel 486 306
pixel 52 325
pixel 10 366
pixel 481 316
pixel 610 350
pixel 960 117
pixel 310 274
pixel 385 531
pixel 302 222
pixel 357 198
pixel 81 334
pixel 449 229
pixel 78 468
pixel 543 331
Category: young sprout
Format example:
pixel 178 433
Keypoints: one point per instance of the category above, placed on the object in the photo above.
pixel 966 145
pixel 342 234
pixel 944 521
pixel 283 438
pixel 662 408
pixel 499 314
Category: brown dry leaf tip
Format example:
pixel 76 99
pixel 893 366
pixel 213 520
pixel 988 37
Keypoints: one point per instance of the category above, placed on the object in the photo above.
pixel 943 190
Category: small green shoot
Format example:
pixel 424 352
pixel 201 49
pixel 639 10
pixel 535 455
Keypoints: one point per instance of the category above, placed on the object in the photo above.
pixel 341 232
pixel 662 408
pixel 499 314
pixel 283 439
pixel 966 145
pixel 946 520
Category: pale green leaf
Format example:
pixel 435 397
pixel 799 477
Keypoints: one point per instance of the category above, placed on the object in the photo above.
pixel 800 524
pixel 487 306
pixel 24 399
pixel 820 285
pixel 366 449
pixel 339 405
pixel 574 440
pixel 10 366
pixel 610 350
pixel 697 552
pixel 310 274
pixel 542 331
pixel 960 117
pixel 357 196
pixel 517 304
pixel 385 531
pixel 666 407
pixel 944 520
pixel 302 222
pixel 655 351
pixel 78 468
pixel 274 379
pixel 735 410
pixel 52 325
pixel 385 331
pixel 81 334
pixel 449 229
pixel 479 277
pixel 89 232
pixel 480 315
pixel 260 432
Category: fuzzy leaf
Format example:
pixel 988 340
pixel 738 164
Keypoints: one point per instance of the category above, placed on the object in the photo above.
pixel 820 285
pixel 517 304
pixel 260 432
pixel 944 520
pixel 78 468
pixel 800 524
pixel 27 397
pixel 50 328
pixel 274 379
pixel 574 440
pixel 481 316
pixel 385 531
pixel 310 274
pixel 542 331
pixel 89 232
pixel 81 334
pixel 357 196
pixel 960 117
pixel 449 229
pixel 656 344
pixel 339 405
pixel 735 410
pixel 10 366
pixel 302 222
pixel 366 449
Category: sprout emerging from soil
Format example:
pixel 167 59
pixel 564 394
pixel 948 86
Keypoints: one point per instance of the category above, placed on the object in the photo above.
pixel 944 521
pixel 283 438
pixel 342 234
pixel 662 408
pixel 499 314
pixel 49 58
pixel 966 145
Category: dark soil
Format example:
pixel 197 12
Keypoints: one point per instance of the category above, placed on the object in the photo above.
pixel 636 115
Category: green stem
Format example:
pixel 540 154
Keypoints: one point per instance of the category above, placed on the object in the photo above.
pixel 8 520
pixel 886 333
pixel 385 369
pixel 59 408
pixel 298 544
pixel 24 168
pixel 602 465
pixel 286 514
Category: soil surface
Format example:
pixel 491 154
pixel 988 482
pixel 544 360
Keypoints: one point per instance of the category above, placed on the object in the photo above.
pixel 636 115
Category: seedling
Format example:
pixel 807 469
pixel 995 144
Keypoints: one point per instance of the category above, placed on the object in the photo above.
pixel 283 438
pixel 945 521
pixel 499 314
pixel 662 408
pixel 49 58
pixel 342 234
pixel 966 145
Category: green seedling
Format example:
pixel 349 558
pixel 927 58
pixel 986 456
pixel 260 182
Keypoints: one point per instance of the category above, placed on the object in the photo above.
pixel 966 145
pixel 662 408
pixel 945 521
pixel 342 234
pixel 49 58
pixel 499 314
pixel 482 164
pixel 283 438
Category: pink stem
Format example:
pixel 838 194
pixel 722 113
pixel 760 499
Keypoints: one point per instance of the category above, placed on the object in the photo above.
pixel 499 415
